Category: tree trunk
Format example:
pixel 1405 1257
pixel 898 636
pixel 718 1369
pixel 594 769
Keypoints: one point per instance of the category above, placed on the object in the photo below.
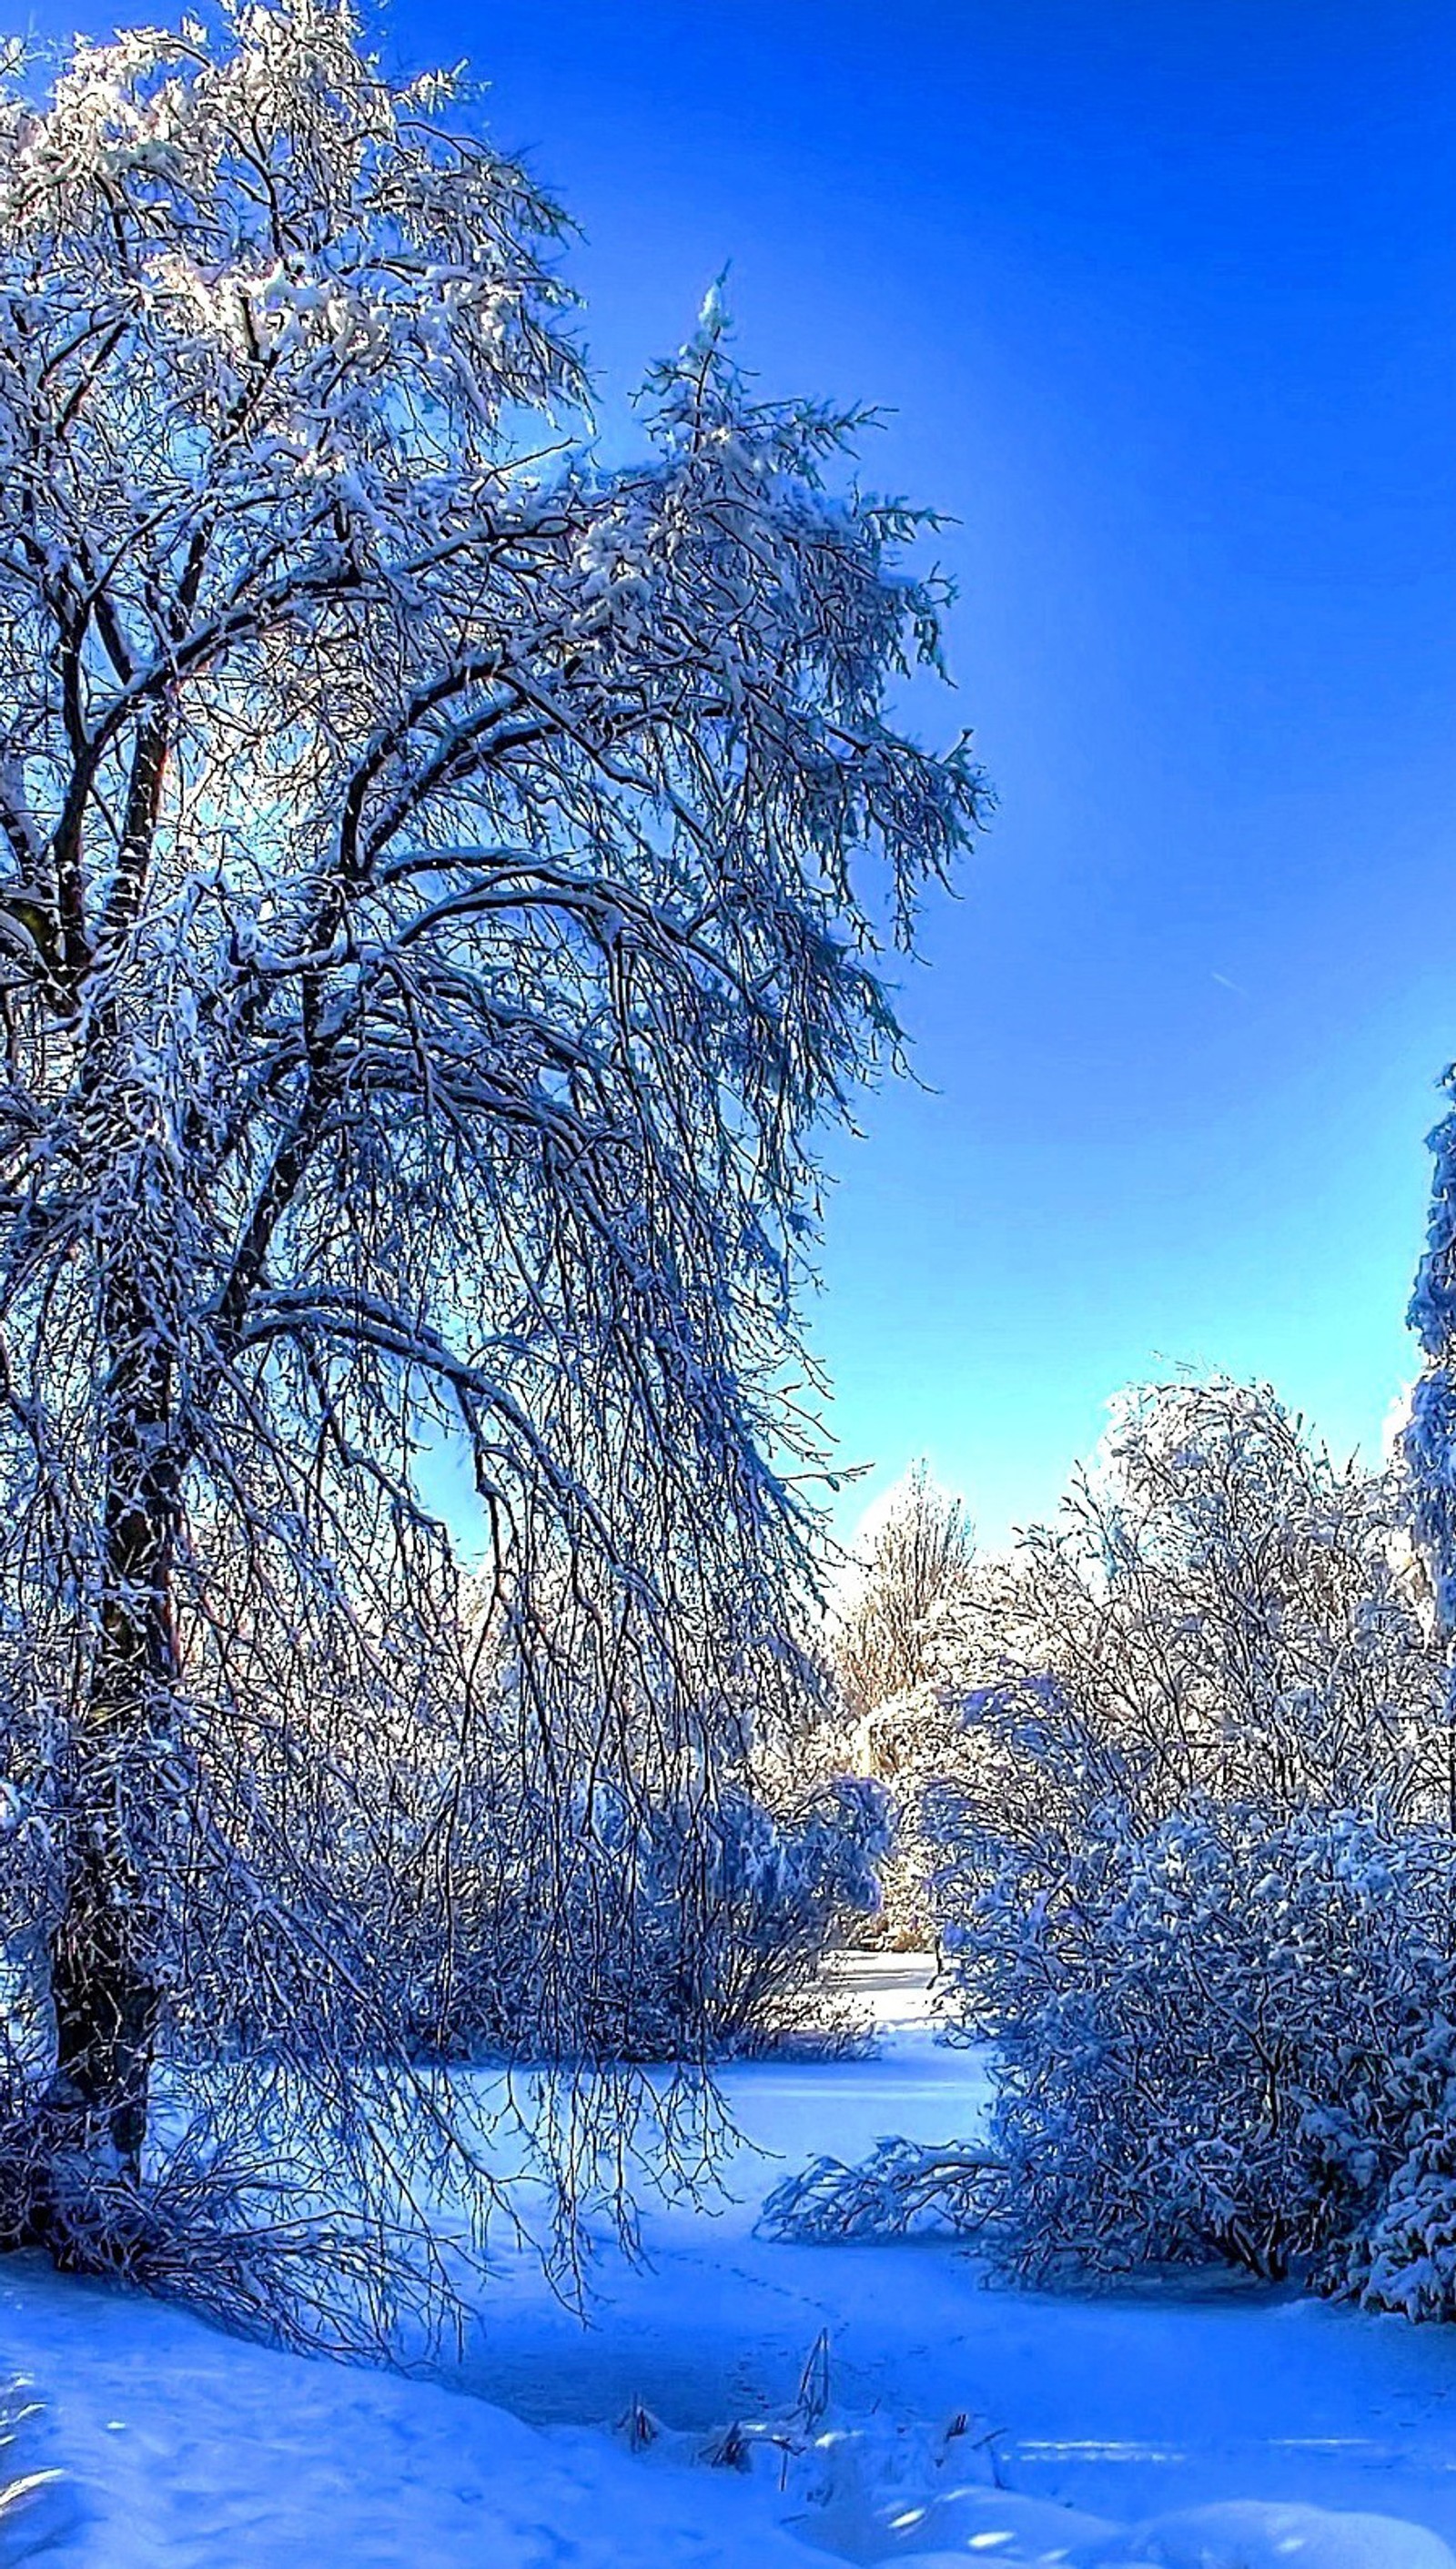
pixel 103 1967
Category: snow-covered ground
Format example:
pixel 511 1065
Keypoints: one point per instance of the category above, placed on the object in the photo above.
pixel 1230 2411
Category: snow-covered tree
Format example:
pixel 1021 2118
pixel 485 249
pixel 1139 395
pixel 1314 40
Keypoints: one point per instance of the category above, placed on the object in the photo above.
pixel 1217 1601
pixel 1429 1440
pixel 914 1562
pixel 429 938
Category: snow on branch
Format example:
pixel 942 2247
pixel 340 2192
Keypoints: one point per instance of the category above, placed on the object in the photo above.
pixel 439 885
pixel 902 2187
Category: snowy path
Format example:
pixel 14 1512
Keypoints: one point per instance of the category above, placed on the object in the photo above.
pixel 189 2449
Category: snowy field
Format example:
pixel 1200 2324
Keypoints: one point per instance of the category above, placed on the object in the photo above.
pixel 1114 2423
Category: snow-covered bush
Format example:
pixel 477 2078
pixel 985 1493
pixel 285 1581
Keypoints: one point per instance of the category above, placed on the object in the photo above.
pixel 1194 1811
pixel 730 1968
pixel 1216 2034
pixel 1197 1857
pixel 1217 1606
pixel 902 2188
pixel 702 1927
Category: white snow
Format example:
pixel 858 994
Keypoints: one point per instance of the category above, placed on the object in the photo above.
pixel 1226 2427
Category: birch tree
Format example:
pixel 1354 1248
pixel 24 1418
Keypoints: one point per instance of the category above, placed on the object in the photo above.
pixel 432 934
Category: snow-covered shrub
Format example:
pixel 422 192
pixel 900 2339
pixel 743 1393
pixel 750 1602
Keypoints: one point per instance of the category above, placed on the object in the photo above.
pixel 1196 1852
pixel 1406 2259
pixel 705 1924
pixel 904 2187
pixel 1214 2033
pixel 780 1885
pixel 1217 1605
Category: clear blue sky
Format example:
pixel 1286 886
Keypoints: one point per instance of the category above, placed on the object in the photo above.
pixel 1162 294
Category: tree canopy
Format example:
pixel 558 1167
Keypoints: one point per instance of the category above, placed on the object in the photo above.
pixel 432 938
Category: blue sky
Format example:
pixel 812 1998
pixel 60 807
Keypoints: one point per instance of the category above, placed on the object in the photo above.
pixel 1163 296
